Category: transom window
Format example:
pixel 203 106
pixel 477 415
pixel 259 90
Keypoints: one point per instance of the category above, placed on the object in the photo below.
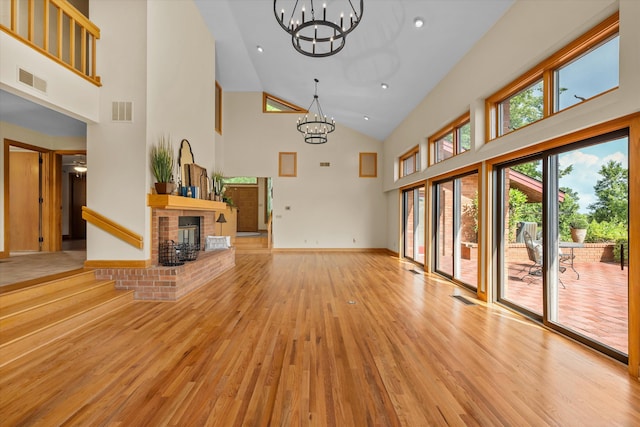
pixel 584 69
pixel 410 162
pixel 453 139
pixel 595 72
pixel 520 109
pixel 273 104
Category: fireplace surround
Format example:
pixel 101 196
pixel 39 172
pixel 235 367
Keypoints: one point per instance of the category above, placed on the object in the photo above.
pixel 170 283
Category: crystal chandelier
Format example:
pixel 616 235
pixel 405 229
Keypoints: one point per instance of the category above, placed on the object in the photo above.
pixel 315 129
pixel 314 35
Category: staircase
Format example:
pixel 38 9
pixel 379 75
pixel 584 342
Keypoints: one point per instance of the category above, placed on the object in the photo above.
pixel 252 244
pixel 39 314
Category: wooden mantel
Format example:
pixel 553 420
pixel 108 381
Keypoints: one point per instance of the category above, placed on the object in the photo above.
pixel 167 201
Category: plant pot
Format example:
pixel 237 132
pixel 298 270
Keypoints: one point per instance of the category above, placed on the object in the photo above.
pixel 165 187
pixel 578 234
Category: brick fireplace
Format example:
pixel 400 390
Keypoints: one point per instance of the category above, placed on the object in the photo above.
pixel 170 283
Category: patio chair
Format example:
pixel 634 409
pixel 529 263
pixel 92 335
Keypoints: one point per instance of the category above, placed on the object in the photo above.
pixel 534 252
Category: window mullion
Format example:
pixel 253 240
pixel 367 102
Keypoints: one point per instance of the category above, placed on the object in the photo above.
pixel 548 91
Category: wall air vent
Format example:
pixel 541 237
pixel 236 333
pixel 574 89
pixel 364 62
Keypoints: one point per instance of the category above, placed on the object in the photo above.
pixel 31 80
pixel 122 111
pixel 325 164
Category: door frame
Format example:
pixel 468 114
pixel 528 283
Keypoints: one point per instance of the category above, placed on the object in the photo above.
pixel 51 194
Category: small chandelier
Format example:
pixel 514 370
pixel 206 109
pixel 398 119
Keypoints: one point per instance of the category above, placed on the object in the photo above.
pixel 315 130
pixel 312 34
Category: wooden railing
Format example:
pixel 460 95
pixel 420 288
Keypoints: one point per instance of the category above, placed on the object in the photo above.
pixel 113 228
pixel 58 30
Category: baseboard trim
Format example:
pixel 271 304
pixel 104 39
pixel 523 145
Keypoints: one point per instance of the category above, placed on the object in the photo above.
pixel 118 263
pixel 363 250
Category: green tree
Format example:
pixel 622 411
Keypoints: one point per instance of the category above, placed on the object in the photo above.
pixel 566 212
pixel 526 106
pixel 612 192
pixel 531 169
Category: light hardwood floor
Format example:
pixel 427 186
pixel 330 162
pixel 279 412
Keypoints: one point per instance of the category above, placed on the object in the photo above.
pixel 275 341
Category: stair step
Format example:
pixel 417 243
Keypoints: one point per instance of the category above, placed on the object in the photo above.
pixel 25 294
pixel 59 301
pixel 251 250
pixel 21 339
pixel 57 298
pixel 36 315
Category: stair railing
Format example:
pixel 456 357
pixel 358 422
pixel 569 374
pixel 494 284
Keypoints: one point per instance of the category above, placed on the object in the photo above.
pixel 113 228
pixel 57 30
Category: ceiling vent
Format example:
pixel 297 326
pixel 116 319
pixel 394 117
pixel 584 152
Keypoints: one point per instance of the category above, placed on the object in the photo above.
pixel 325 164
pixel 31 80
pixel 122 111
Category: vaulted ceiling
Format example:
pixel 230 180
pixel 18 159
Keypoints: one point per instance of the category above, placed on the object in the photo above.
pixel 385 48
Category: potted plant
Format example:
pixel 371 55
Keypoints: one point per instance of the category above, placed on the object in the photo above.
pixel 579 225
pixel 162 164
pixel 218 185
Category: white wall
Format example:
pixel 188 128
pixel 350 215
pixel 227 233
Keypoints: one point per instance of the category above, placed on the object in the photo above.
pixel 328 207
pixel 67 92
pixel 181 78
pixel 116 152
pixel 528 33
pixel 160 56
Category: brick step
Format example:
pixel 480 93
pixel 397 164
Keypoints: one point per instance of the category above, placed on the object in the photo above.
pixel 27 325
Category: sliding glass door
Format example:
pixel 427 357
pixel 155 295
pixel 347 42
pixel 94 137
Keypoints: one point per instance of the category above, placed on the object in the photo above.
pixel 413 224
pixel 520 224
pixel 563 240
pixel 456 229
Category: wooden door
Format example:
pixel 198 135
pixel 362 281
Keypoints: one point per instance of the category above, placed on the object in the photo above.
pixel 77 199
pixel 24 204
pixel 246 199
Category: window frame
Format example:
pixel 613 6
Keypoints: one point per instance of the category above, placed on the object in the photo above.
pixel 412 153
pixel 545 70
pixel 218 107
pixel 294 108
pixel 453 128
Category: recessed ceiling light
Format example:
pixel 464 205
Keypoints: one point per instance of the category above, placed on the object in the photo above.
pixel 366 117
pixel 260 49
pixel 418 22
pixel 384 86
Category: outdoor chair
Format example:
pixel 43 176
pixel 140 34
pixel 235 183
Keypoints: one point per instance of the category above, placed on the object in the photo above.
pixel 534 252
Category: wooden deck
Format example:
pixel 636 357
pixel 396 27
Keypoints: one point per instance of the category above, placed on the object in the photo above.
pixel 326 339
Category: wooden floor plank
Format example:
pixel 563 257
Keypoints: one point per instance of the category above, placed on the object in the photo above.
pixel 276 341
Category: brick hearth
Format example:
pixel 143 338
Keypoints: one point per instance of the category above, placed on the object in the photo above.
pixel 170 283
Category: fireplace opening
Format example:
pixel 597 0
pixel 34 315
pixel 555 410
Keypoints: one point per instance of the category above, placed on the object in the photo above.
pixel 189 231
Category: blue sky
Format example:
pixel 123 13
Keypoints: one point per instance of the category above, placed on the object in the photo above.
pixel 590 74
pixel 586 163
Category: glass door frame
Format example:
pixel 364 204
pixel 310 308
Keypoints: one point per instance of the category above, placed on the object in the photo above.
pixel 418 216
pixel 550 274
pixel 456 181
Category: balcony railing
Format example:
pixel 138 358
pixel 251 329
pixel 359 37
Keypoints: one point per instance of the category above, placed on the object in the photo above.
pixel 56 29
